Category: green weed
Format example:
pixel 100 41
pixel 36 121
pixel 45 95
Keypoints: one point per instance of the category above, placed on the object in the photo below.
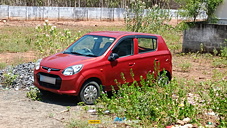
pixel 34 94
pixel 2 65
pixel 9 79
pixel 150 103
pixel 12 38
pixel 155 105
pixel 79 124
pixel 185 67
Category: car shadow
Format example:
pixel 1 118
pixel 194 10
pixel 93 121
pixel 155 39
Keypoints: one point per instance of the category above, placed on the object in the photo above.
pixel 63 100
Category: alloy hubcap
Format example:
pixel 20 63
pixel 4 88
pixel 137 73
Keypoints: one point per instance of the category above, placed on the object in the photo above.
pixel 90 93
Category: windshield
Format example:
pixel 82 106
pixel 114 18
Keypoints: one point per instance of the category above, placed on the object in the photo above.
pixel 90 45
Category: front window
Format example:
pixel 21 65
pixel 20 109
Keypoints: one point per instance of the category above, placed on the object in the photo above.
pixel 90 45
pixel 124 48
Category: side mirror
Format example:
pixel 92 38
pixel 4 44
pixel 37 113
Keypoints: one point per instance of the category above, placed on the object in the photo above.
pixel 113 57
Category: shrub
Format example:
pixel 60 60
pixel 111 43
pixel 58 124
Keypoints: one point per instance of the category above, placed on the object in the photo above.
pixel 150 103
pixel 49 40
pixel 34 94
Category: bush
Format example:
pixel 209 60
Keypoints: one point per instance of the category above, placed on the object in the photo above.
pixel 156 105
pixel 150 103
pixel 49 40
pixel 34 94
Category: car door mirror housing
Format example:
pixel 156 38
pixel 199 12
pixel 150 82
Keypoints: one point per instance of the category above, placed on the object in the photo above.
pixel 113 57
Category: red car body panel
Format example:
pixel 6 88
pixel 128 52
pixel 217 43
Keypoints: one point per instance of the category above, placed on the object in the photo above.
pixel 100 68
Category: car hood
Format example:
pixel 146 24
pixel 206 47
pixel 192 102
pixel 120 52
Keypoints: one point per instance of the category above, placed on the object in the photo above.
pixel 62 61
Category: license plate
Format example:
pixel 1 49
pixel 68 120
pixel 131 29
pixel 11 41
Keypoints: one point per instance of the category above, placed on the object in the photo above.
pixel 47 79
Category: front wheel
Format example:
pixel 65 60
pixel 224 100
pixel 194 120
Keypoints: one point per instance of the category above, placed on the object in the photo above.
pixel 89 92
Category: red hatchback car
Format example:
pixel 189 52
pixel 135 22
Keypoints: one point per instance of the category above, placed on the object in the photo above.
pixel 98 59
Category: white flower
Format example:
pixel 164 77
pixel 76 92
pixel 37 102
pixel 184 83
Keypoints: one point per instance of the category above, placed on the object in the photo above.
pixel 53 27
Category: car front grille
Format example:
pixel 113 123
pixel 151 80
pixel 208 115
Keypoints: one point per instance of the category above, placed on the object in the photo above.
pixel 57 84
pixel 50 69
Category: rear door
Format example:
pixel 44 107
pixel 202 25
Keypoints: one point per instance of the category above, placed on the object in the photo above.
pixel 146 58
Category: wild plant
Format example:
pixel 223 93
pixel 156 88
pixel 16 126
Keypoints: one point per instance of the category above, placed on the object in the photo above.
pixel 150 103
pixel 50 40
pixel 34 94
pixel 8 79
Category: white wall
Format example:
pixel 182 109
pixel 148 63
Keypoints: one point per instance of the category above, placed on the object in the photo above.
pixel 68 13
pixel 60 13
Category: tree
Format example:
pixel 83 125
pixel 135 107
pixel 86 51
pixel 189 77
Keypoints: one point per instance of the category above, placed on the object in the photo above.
pixel 192 8
pixel 211 6
pixel 140 18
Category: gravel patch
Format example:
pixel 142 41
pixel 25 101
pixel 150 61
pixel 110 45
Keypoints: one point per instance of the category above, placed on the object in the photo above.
pixel 18 77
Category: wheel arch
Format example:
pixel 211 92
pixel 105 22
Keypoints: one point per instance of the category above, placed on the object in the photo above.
pixel 167 74
pixel 93 79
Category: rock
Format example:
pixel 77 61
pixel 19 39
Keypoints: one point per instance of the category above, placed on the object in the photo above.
pixel 211 113
pixel 188 125
pixel 92 111
pixel 186 120
pixel 106 112
pixel 180 122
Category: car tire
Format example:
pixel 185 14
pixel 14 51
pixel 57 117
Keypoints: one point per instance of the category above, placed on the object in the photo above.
pixel 89 92
pixel 163 79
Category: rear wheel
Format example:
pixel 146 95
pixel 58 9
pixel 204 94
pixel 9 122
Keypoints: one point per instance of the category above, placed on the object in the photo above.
pixel 89 92
pixel 163 79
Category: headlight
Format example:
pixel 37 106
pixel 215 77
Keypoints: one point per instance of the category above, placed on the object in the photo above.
pixel 72 70
pixel 37 64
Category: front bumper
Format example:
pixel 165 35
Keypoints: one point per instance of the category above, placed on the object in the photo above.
pixel 69 85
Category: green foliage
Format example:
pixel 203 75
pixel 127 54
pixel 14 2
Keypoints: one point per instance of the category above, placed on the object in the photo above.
pixel 210 7
pixel 9 79
pixel 134 16
pixel 12 39
pixel 138 19
pixel 150 103
pixel 219 63
pixel 185 67
pixel 79 124
pixel 216 100
pixel 49 40
pixel 157 105
pixel 192 8
pixel 2 65
pixel 34 94
pixel 152 20
pixel 224 50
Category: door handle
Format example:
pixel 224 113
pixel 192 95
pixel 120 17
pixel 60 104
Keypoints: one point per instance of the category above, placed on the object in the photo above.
pixel 156 59
pixel 131 64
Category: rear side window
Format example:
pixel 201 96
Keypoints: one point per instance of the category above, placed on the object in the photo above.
pixel 147 44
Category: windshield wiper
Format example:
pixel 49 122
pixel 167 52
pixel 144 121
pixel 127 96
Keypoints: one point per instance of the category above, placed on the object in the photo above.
pixel 77 53
pixel 72 53
pixel 90 55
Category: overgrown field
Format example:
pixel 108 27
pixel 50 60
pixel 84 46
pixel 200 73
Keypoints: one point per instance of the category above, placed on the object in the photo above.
pixel 198 89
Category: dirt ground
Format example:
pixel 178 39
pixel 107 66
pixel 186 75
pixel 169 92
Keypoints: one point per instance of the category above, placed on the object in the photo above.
pixel 18 111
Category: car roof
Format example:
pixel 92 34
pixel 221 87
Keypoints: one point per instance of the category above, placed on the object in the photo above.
pixel 117 34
